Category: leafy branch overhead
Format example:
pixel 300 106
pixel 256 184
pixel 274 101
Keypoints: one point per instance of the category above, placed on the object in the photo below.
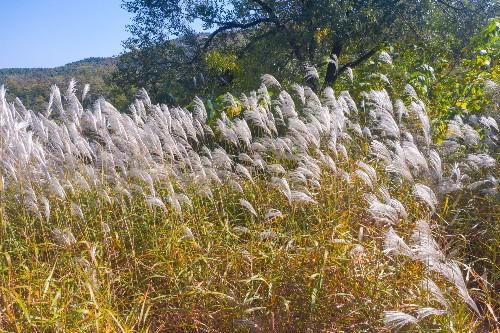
pixel 288 35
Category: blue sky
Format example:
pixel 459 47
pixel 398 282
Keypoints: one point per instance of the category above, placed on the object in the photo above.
pixel 49 33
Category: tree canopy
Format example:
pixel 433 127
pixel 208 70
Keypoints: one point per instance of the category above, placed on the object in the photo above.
pixel 245 38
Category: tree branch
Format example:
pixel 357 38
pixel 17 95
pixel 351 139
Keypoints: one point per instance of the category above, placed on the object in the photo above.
pixel 331 79
pixel 269 11
pixel 234 25
pixel 449 5
pixel 360 60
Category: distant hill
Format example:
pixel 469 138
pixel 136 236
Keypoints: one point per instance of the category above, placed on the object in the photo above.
pixel 32 85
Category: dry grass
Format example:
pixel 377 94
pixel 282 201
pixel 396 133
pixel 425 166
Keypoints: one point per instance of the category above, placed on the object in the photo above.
pixel 215 267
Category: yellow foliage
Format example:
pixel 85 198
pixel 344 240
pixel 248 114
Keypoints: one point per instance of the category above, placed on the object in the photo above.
pixel 221 63
pixel 234 110
pixel 495 72
pixel 321 34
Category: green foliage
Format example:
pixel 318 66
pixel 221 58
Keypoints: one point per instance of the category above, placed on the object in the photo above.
pixel 459 88
pixel 278 37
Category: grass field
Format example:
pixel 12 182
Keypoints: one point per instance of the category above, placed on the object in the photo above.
pixel 303 213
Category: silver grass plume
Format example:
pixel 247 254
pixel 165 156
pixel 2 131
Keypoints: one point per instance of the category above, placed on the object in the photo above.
pixel 397 319
pixel 385 58
pixel 155 202
pixel 270 81
pixel 429 311
pixel 426 195
pixel 63 238
pixel 395 245
pixel 244 203
pixel 311 73
pixel 432 289
pixel 76 210
pixel 435 165
pixel 272 214
pixel 301 197
pixel 381 213
pixel 85 91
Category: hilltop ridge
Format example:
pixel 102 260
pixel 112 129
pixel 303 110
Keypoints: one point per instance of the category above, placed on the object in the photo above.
pixel 31 84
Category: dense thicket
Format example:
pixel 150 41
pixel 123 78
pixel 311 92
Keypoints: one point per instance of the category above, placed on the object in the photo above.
pixel 300 211
pixel 246 39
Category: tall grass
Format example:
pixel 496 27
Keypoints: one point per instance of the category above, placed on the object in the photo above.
pixel 304 212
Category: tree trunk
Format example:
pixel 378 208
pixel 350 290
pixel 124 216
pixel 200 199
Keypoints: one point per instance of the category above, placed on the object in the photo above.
pixel 332 69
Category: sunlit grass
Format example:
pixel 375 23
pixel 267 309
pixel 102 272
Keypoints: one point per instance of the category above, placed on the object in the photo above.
pixel 152 240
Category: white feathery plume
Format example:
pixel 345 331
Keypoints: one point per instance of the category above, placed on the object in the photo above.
pixel 410 91
pixel 479 161
pixel 234 185
pixel 270 81
pixel 397 319
pixel 454 129
pixel 381 111
pixel 350 74
pixel 71 88
pixel 301 197
pixel 398 206
pixel 57 100
pixel 76 210
pixel 346 97
pixel 395 245
pixel 187 233
pixel 380 151
pixel 369 170
pixel 143 96
pixel 272 214
pixel 385 58
pixel 267 235
pixel 276 169
pixel 242 170
pixel 85 91
pixel 63 237
pixel 449 146
pixel 398 166
pixel 283 187
pixel 241 230
pixel 380 212
pixel 486 185
pixel 400 111
pixel 431 287
pixel 429 311
pixel 311 73
pixel 426 195
pixel 425 248
pixel 300 92
pixel 244 203
pixel 435 165
pixel 394 203
pixel 414 157
pixel 363 176
pixel 471 136
pixel 451 272
pixel 427 251
pixel 56 188
pixel 343 152
pixel 46 207
pixel 155 202
pixel 489 122
pixel 419 109
pixel 199 111
pixel 221 159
